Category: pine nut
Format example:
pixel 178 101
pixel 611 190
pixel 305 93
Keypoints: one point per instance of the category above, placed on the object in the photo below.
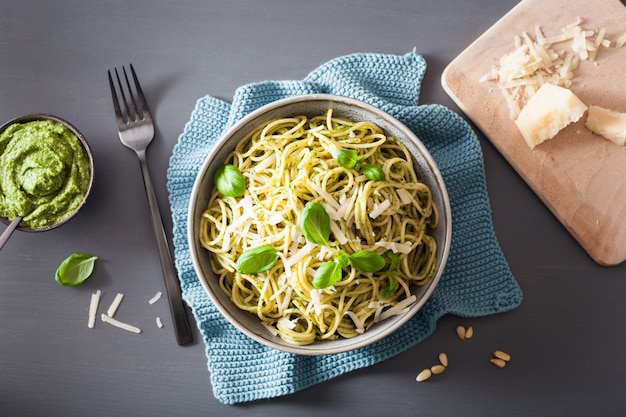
pixel 437 369
pixel 443 359
pixel 424 375
pixel 460 331
pixel 498 362
pixel 469 332
pixel 502 355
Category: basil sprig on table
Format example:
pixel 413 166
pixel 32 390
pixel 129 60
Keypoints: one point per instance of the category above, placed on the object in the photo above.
pixel 347 158
pixel 229 181
pixel 75 269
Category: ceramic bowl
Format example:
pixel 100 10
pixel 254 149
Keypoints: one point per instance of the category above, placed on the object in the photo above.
pixel 83 141
pixel 314 105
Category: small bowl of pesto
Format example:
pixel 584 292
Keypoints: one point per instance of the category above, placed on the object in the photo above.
pixel 46 172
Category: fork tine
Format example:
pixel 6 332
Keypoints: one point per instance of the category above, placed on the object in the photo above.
pixel 135 112
pixel 116 104
pixel 142 105
pixel 128 116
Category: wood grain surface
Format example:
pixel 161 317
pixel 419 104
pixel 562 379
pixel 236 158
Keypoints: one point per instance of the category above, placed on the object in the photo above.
pixel 581 177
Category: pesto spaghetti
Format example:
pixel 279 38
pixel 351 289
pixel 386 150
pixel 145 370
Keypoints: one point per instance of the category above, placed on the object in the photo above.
pixel 319 226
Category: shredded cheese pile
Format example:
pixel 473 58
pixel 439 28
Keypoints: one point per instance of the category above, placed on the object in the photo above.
pixel 534 62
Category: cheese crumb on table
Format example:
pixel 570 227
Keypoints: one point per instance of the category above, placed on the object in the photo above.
pixel 547 112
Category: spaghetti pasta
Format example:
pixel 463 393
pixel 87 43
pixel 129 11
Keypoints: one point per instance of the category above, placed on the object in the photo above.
pixel 289 163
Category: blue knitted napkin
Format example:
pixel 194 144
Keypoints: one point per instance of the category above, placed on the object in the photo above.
pixel 477 280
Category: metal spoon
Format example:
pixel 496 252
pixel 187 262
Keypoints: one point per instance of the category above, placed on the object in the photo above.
pixel 4 237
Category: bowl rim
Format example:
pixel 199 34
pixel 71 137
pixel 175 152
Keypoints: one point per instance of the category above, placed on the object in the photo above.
pixel 316 348
pixel 47 116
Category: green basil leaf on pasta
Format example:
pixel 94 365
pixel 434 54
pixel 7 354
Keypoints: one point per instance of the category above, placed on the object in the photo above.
pixel 229 181
pixel 392 271
pixel 343 258
pixel 393 264
pixel 256 260
pixel 366 261
pixel 326 275
pixel 347 158
pixel 315 223
pixel 75 269
pixel 390 290
pixel 373 172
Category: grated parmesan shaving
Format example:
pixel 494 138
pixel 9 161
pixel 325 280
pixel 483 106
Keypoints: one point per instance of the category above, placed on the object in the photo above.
pixel 325 195
pixel 270 328
pixel 156 298
pixel 404 195
pixel 296 257
pixel 286 323
pixel 93 308
pixel 275 219
pixel 379 208
pixel 534 62
pixel 332 213
pixel 119 324
pixel 114 305
pixel 621 41
pixel 315 301
pixel 339 235
pixel 400 308
pixel 359 325
pixel 394 246
pixel 266 162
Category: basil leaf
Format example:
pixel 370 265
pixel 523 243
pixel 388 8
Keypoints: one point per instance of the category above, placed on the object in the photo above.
pixel 315 223
pixel 393 265
pixel 229 181
pixel 390 290
pixel 75 269
pixel 343 258
pixel 366 261
pixel 347 158
pixel 373 172
pixel 326 275
pixel 391 272
pixel 255 260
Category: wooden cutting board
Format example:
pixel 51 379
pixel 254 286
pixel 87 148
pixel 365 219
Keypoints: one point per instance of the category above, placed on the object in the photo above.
pixel 581 177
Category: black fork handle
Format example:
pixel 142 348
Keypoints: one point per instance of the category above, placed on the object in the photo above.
pixel 174 295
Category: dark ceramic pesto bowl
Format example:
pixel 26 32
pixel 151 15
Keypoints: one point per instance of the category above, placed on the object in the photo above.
pixel 88 154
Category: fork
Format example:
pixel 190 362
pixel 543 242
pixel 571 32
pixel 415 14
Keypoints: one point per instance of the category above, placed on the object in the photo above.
pixel 136 131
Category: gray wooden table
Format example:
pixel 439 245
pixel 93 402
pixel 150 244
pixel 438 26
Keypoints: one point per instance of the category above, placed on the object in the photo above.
pixel 567 338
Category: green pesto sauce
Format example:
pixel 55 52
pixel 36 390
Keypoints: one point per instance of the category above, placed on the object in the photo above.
pixel 44 173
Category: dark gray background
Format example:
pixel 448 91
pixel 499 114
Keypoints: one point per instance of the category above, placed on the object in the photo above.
pixel 567 339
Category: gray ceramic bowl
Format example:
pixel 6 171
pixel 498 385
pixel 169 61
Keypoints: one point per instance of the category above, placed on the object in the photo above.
pixel 83 141
pixel 314 105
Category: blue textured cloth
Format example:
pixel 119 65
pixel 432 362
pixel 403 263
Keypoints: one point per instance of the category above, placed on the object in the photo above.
pixel 477 280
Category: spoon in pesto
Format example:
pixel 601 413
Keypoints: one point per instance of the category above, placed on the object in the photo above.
pixel 4 237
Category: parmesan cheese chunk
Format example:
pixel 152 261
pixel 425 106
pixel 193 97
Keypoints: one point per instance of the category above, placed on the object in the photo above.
pixel 547 112
pixel 608 124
